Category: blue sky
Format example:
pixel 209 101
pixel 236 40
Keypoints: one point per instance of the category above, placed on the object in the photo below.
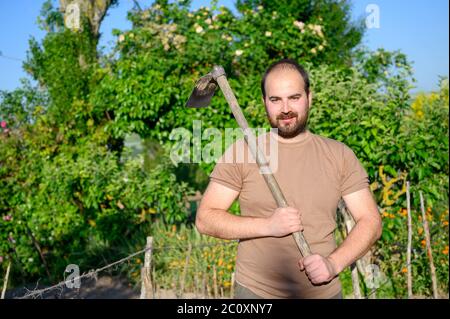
pixel 419 28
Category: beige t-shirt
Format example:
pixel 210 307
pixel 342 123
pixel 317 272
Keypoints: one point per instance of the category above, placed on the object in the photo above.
pixel 313 173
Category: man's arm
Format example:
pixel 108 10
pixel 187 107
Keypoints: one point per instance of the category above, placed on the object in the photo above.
pixel 367 231
pixel 213 218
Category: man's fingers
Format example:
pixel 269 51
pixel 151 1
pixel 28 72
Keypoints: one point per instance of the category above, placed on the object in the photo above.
pixel 300 263
pixel 314 273
pixel 312 268
pixel 316 269
pixel 310 260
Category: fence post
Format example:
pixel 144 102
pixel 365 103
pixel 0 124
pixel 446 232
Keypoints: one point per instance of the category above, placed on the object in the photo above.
pixel 348 222
pixel 216 291
pixel 5 283
pixel 146 288
pixel 428 244
pixel 232 286
pixel 185 270
pixel 408 252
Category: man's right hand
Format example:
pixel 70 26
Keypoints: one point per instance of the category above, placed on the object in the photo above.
pixel 284 221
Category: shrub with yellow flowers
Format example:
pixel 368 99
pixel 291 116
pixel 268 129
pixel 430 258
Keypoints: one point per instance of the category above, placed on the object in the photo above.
pixel 391 249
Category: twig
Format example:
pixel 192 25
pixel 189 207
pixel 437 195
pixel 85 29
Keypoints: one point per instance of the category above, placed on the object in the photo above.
pixel 408 252
pixel 39 250
pixel 5 283
pixel 428 242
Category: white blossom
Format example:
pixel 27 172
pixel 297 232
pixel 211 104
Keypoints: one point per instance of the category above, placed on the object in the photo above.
pixel 238 52
pixel 299 25
pixel 318 30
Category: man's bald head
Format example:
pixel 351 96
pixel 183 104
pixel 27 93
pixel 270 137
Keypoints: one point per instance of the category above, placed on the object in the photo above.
pixel 285 64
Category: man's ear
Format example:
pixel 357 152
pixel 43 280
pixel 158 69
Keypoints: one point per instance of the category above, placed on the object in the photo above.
pixel 310 99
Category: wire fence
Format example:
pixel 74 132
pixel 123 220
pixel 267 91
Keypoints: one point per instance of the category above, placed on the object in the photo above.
pixel 92 274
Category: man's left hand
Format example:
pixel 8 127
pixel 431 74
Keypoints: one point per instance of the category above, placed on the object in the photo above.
pixel 319 269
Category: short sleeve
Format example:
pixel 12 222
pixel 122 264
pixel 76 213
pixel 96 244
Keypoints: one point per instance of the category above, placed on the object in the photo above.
pixel 353 175
pixel 228 170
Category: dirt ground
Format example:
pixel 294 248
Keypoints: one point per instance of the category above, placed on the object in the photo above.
pixel 106 287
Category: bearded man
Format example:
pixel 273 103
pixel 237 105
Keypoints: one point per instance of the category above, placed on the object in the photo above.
pixel 314 173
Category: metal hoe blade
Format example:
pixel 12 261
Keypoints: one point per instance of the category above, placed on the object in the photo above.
pixel 203 92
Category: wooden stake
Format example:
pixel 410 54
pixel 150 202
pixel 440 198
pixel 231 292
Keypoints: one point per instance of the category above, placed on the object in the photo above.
pixel 204 287
pixel 196 283
pixel 5 283
pixel 208 287
pixel 428 243
pixel 146 288
pixel 355 282
pixel 348 222
pixel 216 291
pixel 408 252
pixel 154 282
pixel 183 278
pixel 232 286
pixel 364 266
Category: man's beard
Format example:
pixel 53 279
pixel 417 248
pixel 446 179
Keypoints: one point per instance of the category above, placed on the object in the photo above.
pixel 290 130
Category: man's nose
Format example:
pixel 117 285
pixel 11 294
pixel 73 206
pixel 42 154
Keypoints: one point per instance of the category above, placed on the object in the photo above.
pixel 285 106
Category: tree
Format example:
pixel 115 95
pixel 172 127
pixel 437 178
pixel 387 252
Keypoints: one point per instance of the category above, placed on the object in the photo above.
pixel 334 17
pixel 65 62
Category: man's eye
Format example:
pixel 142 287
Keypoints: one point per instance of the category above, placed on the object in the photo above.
pixel 274 100
pixel 295 98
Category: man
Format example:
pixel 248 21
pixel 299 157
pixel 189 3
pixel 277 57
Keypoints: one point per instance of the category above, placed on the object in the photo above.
pixel 314 173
